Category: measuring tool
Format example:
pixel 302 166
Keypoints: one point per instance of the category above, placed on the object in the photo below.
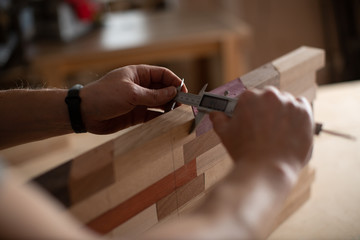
pixel 206 102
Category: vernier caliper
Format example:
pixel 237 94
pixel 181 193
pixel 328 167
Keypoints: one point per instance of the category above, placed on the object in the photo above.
pixel 206 102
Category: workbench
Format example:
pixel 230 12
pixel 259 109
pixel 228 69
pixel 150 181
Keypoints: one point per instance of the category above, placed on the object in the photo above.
pixel 138 37
pixel 332 212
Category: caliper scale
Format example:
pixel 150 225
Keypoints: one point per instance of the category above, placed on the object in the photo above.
pixel 205 103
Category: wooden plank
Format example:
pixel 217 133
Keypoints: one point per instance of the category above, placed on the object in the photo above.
pixel 91 172
pixel 265 75
pixel 179 119
pixel 137 203
pixel 131 207
pixel 166 206
pixel 216 173
pixel 298 63
pixel 93 206
pixel 199 145
pixel 141 167
pixel 210 158
pixel 180 197
pixel 301 84
pixel 137 224
pixel 298 196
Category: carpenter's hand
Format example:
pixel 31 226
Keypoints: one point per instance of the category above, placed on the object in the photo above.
pixel 121 98
pixel 267 126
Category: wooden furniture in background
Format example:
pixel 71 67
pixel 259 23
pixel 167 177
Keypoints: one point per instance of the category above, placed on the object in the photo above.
pixel 137 37
pixel 157 171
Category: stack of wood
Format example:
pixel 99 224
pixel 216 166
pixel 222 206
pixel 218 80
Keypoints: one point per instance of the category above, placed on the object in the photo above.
pixel 158 171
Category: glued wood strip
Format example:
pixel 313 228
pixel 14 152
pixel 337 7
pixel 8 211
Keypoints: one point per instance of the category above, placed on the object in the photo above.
pixel 131 207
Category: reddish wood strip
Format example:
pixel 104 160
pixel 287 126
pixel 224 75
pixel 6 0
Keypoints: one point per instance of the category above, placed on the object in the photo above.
pixel 124 211
pixel 185 173
pixel 118 215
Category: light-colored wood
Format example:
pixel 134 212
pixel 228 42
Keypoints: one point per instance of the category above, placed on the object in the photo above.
pixel 91 172
pixel 298 63
pixel 214 174
pixel 332 212
pixel 265 75
pixel 210 158
pixel 138 224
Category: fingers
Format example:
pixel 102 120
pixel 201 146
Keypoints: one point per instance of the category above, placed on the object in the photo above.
pixel 149 75
pixel 151 97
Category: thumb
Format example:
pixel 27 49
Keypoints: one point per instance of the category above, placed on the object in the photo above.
pixel 220 122
pixel 153 97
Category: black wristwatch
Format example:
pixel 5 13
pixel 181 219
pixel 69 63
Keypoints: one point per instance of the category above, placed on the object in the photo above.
pixel 73 102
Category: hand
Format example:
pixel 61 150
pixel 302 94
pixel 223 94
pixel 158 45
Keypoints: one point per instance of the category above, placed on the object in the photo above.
pixel 267 125
pixel 121 98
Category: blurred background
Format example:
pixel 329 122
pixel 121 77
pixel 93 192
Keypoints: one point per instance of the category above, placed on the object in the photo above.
pixel 57 43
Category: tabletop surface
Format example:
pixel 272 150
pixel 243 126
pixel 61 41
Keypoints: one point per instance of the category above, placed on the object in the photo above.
pixel 333 210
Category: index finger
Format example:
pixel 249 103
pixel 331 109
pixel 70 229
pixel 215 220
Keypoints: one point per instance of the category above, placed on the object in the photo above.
pixel 160 75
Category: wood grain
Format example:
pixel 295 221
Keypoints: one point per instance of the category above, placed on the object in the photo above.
pixel 200 145
pixel 142 200
pixel 261 77
pixel 137 224
pixel 298 63
pixel 91 172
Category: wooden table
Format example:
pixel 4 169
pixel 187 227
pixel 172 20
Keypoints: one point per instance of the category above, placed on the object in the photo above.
pixel 332 212
pixel 137 37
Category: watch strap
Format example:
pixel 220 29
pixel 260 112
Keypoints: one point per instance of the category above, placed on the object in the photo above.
pixel 73 102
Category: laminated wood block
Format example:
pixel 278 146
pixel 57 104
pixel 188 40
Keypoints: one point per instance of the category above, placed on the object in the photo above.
pixel 91 172
pixel 298 63
pixel 137 224
pixel 200 145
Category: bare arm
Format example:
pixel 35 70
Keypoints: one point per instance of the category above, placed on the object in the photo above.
pixel 116 101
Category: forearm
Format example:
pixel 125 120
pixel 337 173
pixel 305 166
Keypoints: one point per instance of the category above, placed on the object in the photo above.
pixel 251 197
pixel 30 115
pixel 27 213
